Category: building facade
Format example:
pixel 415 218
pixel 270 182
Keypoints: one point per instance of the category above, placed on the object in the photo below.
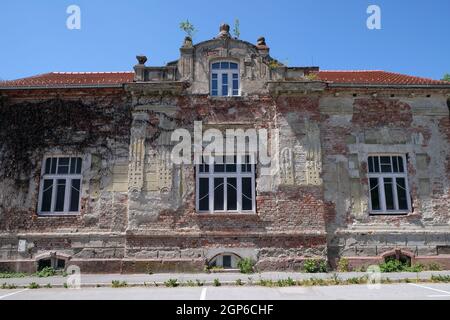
pixel 359 165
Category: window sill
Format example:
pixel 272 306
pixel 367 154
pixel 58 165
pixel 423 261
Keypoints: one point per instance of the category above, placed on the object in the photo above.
pixel 226 214
pixel 226 98
pixel 396 213
pixel 57 215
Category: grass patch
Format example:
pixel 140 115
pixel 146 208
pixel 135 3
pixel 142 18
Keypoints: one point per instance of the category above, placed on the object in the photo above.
pixel 190 283
pixel 239 282
pixel 118 284
pixel 46 272
pixel 398 266
pixel 9 275
pixel 8 286
pixel 314 266
pixel 343 265
pixel 440 278
pixel 217 283
pixel 246 265
pixel 171 283
pixel 434 267
pixel 33 285
pixel 200 283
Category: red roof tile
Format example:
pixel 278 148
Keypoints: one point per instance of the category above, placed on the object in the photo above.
pixel 375 77
pixel 58 79
pixel 86 79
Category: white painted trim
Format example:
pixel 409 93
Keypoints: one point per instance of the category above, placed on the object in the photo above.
pixel 219 73
pixel 381 191
pixel 68 178
pixel 225 175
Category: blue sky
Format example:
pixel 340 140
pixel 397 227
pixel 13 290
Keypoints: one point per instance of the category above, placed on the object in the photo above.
pixel 414 38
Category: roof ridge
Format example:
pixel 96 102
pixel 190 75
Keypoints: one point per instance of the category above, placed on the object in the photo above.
pixel 92 72
pixel 353 71
pixel 30 77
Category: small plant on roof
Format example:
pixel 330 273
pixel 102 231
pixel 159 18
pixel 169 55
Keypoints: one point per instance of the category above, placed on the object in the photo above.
pixel 188 28
pixel 236 29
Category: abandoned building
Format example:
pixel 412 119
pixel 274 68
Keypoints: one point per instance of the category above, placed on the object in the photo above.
pixel 87 177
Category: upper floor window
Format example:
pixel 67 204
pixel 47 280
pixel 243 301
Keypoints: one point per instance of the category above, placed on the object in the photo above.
pixel 60 187
pixel 389 192
pixel 225 79
pixel 223 185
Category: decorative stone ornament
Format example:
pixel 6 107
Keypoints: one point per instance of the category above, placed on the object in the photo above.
pixel 261 41
pixel 141 59
pixel 187 42
pixel 224 31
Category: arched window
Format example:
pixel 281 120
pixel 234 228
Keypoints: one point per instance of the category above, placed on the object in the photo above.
pixel 224 79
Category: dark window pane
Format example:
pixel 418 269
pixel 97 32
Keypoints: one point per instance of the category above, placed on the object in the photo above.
pixel 226 261
pixel 224 90
pixel 79 164
pixel 54 162
pixel 218 194
pixel 48 163
pixel 389 194
pixel 385 164
pixel 376 164
pixel 47 196
pixel 224 84
pixel 400 164
pixel 203 202
pixel 73 165
pixel 75 195
pixel 224 78
pixel 231 163
pixel 370 164
pixel 233 65
pixel 374 194
pixel 224 65
pixel 60 194
pixel 235 92
pixel 60 264
pixel 401 194
pixel 395 164
pixel 231 194
pixel 247 197
pixel 214 93
pixel 216 65
pixel 219 165
pixel 63 165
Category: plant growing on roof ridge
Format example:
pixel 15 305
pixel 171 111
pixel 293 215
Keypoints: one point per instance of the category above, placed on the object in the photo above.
pixel 236 29
pixel 188 28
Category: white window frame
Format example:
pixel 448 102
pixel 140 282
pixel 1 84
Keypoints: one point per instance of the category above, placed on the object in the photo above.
pixel 55 177
pixel 238 175
pixel 381 191
pixel 229 72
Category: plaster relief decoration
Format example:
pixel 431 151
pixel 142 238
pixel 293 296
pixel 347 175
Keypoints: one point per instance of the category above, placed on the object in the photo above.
pixel 313 153
pixel 137 153
pixel 287 167
pixel 165 171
